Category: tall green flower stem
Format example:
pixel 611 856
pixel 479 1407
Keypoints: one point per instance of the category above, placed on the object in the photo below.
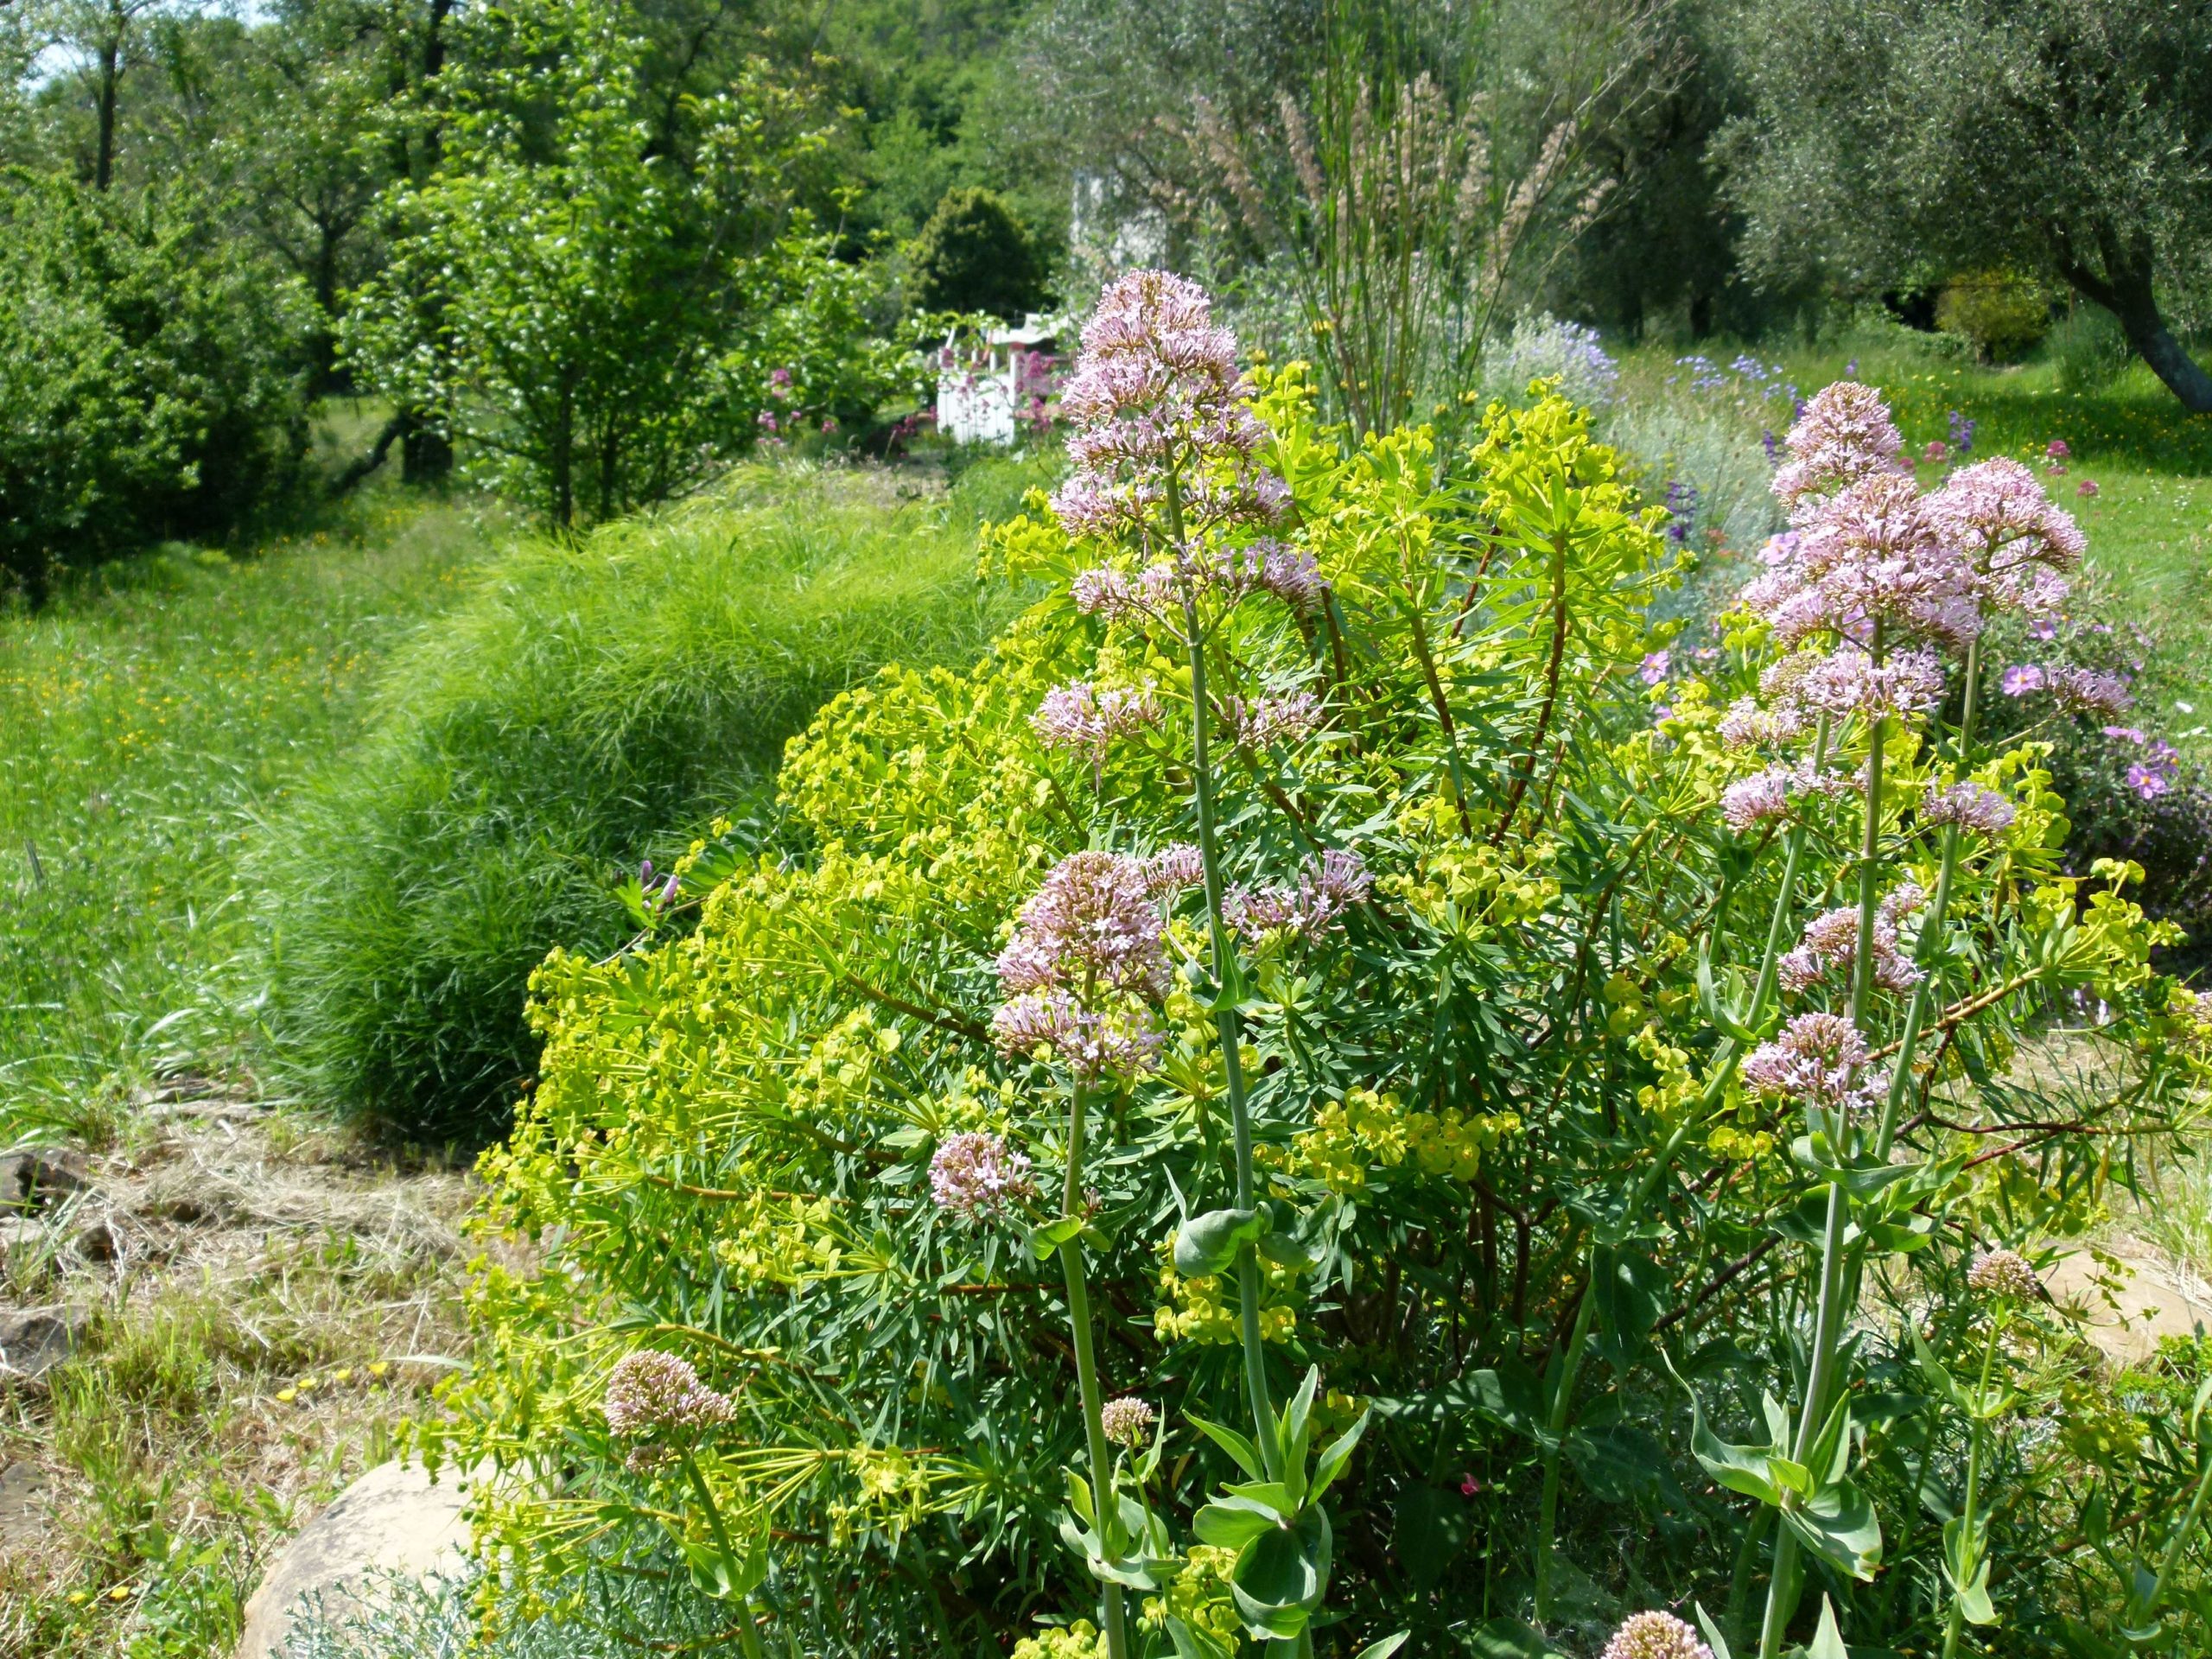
pixel 1086 1371
pixel 1969 1553
pixel 1228 1019
pixel 1931 934
pixel 1724 1069
pixel 1827 1323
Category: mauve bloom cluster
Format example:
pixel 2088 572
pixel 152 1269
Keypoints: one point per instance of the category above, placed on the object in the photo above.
pixel 1874 552
pixel 1328 885
pixel 1972 808
pixel 1746 724
pixel 648 1390
pixel 1763 798
pixel 1268 566
pixel 1094 923
pixel 2078 690
pixel 1123 595
pixel 1173 868
pixel 1817 1058
pixel 1079 715
pixel 1830 945
pixel 1843 435
pixel 1849 682
pixel 1090 1044
pixel 1157 387
pixel 2154 774
pixel 2004 1272
pixel 2017 541
pixel 975 1175
pixel 1656 1636
pixel 1126 1421
pixel 1263 722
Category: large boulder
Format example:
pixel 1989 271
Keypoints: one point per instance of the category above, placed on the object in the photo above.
pixel 393 1521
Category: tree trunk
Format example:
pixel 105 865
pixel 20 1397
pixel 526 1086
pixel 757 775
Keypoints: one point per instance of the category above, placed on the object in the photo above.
pixel 111 71
pixel 2125 288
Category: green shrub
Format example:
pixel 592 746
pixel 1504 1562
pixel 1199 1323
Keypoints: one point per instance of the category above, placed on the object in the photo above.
pixel 1469 1151
pixel 974 255
pixel 2004 317
pixel 2091 351
pixel 589 705
pixel 154 377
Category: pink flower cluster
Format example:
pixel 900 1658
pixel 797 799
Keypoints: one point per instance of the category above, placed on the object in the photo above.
pixel 1091 1043
pixel 1844 435
pixel 648 1390
pixel 1746 724
pixel 1874 552
pixel 2077 690
pixel 1818 1059
pixel 1092 923
pixel 1656 1636
pixel 1263 722
pixel 1080 715
pixel 1158 388
pixel 1972 808
pixel 2017 541
pixel 1830 945
pixel 1328 885
pixel 976 1175
pixel 1848 682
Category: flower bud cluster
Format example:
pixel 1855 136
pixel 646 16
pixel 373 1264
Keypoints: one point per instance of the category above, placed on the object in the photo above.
pixel 649 1390
pixel 1328 885
pixel 1819 1059
pixel 978 1175
pixel 1830 945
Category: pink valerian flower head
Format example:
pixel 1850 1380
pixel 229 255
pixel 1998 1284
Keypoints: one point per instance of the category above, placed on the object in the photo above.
pixel 1762 799
pixel 1818 1059
pixel 2003 1274
pixel 1157 387
pixel 1844 435
pixel 648 1390
pixel 1328 886
pixel 1997 515
pixel 1849 683
pixel 1980 812
pixel 1126 1421
pixel 1875 551
pixel 1176 867
pixel 1656 1636
pixel 1093 922
pixel 1266 566
pixel 1936 454
pixel 1830 945
pixel 2087 487
pixel 1264 722
pixel 1119 1042
pixel 2089 691
pixel 1746 724
pixel 978 1176
pixel 1080 715
pixel 1123 595
pixel 2057 450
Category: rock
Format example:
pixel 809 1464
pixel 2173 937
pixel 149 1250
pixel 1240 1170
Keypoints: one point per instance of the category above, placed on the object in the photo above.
pixel 2154 1301
pixel 33 1340
pixel 33 1177
pixel 24 1516
pixel 391 1520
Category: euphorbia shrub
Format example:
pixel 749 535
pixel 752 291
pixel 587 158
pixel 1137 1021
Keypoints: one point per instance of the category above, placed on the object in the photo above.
pixel 1323 976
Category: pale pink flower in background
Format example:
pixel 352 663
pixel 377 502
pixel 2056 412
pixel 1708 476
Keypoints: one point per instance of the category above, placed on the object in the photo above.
pixel 1080 715
pixel 648 1389
pixel 1118 1043
pixel 2004 1272
pixel 1264 722
pixel 1818 1059
pixel 1764 798
pixel 1092 922
pixel 1174 869
pixel 976 1175
pixel 1128 1422
pixel 1328 885
pixel 1969 805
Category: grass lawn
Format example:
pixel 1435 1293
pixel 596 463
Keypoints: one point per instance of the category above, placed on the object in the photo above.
pixel 147 717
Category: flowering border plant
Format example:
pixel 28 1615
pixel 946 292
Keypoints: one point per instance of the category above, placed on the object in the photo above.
pixel 1323 1050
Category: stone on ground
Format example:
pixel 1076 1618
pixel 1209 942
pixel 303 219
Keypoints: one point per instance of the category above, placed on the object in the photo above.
pixel 2152 1301
pixel 392 1520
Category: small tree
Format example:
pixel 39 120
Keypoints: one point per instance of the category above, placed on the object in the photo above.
pixel 2071 138
pixel 594 304
pixel 974 255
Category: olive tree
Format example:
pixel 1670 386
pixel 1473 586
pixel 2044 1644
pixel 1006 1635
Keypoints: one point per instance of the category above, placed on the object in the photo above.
pixel 2069 138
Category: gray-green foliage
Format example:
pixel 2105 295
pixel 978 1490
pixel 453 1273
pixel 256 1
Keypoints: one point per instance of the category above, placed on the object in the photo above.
pixel 587 706
pixel 2066 137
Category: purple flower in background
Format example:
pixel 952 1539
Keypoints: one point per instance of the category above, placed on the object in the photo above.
pixel 2088 486
pixel 2057 450
pixel 2043 628
pixel 1851 370
pixel 2125 734
pixel 1772 445
pixel 2147 781
pixel 1655 667
pixel 2089 691
pixel 1936 454
pixel 1962 430
pixel 2020 679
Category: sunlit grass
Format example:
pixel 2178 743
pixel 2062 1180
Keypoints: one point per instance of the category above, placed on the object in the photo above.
pixel 147 717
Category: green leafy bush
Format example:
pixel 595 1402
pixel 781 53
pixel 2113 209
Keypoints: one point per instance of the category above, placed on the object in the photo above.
pixel 2004 317
pixel 974 255
pixel 154 377
pixel 1350 971
pixel 587 706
